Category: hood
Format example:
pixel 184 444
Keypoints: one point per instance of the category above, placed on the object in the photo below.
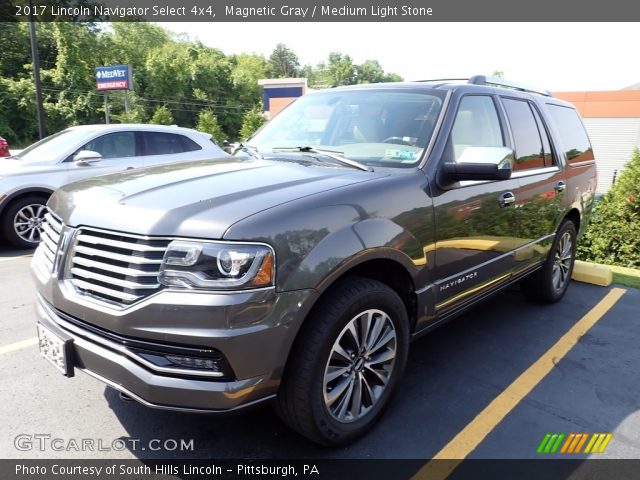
pixel 9 166
pixel 195 199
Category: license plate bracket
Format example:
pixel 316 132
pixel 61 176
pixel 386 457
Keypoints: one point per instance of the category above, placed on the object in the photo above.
pixel 56 349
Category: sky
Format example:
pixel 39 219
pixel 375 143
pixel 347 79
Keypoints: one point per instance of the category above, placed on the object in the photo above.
pixel 554 56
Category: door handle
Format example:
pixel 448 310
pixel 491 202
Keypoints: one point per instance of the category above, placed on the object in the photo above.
pixel 506 199
pixel 560 186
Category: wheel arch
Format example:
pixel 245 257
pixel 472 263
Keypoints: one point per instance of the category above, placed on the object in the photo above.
pixel 41 191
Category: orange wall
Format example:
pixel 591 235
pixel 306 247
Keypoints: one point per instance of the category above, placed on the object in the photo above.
pixel 606 104
pixel 277 104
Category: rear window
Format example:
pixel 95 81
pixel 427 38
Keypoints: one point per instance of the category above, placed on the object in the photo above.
pixel 573 135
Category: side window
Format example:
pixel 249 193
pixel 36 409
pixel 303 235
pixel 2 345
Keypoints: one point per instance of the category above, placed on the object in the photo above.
pixel 159 143
pixel 476 125
pixel 574 136
pixel 114 145
pixel 549 158
pixel 528 145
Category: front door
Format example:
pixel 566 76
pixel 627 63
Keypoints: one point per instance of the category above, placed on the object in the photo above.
pixel 475 221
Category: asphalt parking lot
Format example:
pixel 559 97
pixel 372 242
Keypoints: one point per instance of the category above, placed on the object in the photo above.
pixel 453 376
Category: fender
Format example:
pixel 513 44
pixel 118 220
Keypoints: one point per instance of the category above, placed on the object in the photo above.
pixel 38 190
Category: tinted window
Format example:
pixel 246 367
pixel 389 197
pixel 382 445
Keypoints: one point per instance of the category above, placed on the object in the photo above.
pixel 114 145
pixel 549 158
pixel 528 145
pixel 476 125
pixel 574 137
pixel 159 143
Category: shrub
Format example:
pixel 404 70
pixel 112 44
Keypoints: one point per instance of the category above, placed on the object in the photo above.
pixel 208 123
pixel 251 122
pixel 613 236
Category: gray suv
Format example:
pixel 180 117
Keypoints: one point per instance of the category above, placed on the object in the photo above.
pixel 356 220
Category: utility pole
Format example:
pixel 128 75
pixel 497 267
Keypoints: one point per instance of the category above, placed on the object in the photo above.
pixel 35 57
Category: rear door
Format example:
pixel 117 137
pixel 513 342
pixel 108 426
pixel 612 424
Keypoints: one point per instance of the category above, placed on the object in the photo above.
pixel 540 195
pixel 163 147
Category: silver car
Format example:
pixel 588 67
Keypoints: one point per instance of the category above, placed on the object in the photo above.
pixel 28 178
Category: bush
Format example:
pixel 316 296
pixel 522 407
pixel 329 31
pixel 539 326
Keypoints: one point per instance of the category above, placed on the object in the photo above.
pixel 162 116
pixel 251 122
pixel 208 123
pixel 613 236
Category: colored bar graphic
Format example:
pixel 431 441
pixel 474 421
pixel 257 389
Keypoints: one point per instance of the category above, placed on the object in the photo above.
pixel 574 443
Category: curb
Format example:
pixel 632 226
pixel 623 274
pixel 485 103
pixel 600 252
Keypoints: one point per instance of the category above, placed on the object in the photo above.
pixel 592 273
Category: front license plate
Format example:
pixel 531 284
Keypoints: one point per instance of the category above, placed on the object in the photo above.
pixel 55 349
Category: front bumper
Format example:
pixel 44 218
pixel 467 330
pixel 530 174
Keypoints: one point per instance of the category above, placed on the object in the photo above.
pixel 254 352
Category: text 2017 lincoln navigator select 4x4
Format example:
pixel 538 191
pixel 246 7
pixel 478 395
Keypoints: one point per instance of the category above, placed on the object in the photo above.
pixel 300 268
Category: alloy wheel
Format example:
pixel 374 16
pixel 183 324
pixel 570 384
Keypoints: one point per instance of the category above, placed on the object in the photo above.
pixel 563 259
pixel 360 365
pixel 28 221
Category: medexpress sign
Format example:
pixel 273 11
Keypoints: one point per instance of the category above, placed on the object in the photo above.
pixel 114 77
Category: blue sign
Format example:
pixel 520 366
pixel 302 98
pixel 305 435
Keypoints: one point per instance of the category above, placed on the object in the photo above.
pixel 114 77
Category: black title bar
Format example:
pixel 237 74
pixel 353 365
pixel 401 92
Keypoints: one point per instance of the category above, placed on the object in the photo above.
pixel 322 11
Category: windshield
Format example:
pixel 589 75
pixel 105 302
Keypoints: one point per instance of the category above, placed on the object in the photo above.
pixel 53 146
pixel 385 127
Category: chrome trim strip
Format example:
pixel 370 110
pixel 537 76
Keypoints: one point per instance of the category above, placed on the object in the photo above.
pixel 138 247
pixel 81 272
pixel 115 256
pixel 132 272
pixel 104 290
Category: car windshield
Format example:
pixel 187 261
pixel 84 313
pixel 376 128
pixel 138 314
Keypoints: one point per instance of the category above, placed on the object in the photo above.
pixel 53 146
pixel 384 127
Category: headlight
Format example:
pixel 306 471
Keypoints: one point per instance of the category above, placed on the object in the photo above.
pixel 203 265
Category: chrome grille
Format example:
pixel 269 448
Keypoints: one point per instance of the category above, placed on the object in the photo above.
pixel 114 267
pixel 49 239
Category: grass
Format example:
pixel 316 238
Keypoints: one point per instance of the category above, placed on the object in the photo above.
pixel 629 277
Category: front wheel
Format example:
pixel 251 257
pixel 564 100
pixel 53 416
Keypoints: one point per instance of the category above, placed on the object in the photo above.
pixel 22 221
pixel 550 283
pixel 347 362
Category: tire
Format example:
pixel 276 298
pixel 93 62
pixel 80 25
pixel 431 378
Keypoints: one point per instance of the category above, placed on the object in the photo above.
pixel 325 360
pixel 22 221
pixel 550 283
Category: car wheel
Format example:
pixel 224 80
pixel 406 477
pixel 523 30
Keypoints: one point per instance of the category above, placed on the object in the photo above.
pixel 346 363
pixel 550 283
pixel 22 221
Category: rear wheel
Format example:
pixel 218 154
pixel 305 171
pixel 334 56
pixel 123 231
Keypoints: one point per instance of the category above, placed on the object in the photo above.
pixel 22 221
pixel 347 362
pixel 550 283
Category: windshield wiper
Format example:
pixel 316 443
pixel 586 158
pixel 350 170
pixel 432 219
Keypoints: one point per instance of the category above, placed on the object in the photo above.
pixel 337 156
pixel 250 149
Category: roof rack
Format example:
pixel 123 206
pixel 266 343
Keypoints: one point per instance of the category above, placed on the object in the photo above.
pixel 500 82
pixel 493 81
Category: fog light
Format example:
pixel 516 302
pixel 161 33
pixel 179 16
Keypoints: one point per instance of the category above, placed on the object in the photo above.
pixel 194 362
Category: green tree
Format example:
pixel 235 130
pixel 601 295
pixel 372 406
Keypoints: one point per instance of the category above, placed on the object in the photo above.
pixel 208 123
pixel 283 62
pixel 162 116
pixel 612 236
pixel 370 72
pixel 341 69
pixel 251 122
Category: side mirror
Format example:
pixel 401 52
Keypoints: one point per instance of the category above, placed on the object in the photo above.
pixel 482 163
pixel 86 157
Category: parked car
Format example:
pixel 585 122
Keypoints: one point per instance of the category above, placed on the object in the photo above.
pixel 4 148
pixel 28 178
pixel 356 220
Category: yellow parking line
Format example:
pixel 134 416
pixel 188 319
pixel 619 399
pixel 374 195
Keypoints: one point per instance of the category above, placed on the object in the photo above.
pixel 470 437
pixel 12 347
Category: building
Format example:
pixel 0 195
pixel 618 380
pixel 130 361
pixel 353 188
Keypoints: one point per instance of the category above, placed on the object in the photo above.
pixel 612 119
pixel 280 92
